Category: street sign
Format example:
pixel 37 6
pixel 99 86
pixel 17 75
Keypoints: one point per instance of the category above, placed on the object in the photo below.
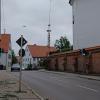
pixel 23 53
pixel 19 41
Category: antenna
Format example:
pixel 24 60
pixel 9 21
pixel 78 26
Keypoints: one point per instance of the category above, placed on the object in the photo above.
pixel 49 25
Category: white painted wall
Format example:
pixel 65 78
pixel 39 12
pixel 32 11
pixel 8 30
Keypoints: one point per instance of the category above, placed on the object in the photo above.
pixel 3 59
pixel 9 60
pixel 86 28
pixel 27 59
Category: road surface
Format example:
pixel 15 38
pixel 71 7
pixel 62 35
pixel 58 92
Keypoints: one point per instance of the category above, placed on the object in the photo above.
pixel 57 86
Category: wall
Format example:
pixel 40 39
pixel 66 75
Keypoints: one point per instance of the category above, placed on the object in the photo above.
pixel 86 30
pixel 96 62
pixel 27 59
pixel 75 62
pixel 3 59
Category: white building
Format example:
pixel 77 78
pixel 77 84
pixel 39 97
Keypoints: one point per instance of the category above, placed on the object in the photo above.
pixel 5 57
pixel 34 53
pixel 86 23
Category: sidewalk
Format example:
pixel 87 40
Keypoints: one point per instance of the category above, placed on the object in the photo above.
pixel 9 86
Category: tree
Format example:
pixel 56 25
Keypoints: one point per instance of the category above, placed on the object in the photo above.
pixel 14 59
pixel 63 44
pixel 43 63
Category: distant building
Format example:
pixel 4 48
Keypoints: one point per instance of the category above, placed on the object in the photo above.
pixel 86 23
pixel 5 45
pixel 34 53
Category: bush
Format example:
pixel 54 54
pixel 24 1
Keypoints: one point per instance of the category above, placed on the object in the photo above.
pixel 29 67
pixel 43 63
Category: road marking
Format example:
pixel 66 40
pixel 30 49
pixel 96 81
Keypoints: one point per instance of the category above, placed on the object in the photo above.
pixel 88 88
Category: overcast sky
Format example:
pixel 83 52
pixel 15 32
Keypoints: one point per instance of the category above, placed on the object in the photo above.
pixel 34 15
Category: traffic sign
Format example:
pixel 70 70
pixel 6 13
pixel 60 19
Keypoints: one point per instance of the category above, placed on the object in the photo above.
pixel 19 41
pixel 23 53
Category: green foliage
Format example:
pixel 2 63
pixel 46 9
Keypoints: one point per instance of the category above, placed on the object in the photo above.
pixel 63 44
pixel 14 59
pixel 29 67
pixel 1 51
pixel 43 63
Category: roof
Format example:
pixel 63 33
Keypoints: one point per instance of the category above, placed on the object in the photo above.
pixel 76 51
pixel 5 39
pixel 93 48
pixel 70 2
pixel 40 51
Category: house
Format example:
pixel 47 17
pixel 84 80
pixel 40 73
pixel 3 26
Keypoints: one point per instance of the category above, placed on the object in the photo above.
pixel 5 56
pixel 86 23
pixel 34 53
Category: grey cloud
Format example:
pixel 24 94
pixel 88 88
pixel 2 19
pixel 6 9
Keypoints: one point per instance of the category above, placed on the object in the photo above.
pixel 34 14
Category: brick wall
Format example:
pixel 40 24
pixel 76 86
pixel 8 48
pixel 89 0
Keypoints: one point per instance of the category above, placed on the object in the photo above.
pixel 61 63
pixel 70 63
pixel 75 62
pixel 52 63
pixel 96 62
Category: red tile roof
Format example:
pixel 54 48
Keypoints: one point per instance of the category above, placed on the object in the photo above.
pixel 5 39
pixel 40 51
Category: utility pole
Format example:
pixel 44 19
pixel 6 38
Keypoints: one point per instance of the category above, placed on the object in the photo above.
pixel 49 32
pixel 49 26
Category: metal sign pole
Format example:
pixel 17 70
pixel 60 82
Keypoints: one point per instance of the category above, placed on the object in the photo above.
pixel 20 76
pixel 21 42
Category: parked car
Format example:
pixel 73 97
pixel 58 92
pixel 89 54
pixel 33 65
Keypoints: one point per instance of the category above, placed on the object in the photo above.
pixel 1 67
pixel 15 67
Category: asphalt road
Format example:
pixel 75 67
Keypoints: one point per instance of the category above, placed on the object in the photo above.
pixel 57 86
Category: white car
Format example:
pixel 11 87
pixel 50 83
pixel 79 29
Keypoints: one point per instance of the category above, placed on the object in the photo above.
pixel 15 67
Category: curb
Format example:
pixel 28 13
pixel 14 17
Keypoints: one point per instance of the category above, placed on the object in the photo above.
pixel 40 97
pixel 58 72
pixel 89 78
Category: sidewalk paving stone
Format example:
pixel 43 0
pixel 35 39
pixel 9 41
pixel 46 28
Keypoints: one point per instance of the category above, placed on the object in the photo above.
pixel 9 86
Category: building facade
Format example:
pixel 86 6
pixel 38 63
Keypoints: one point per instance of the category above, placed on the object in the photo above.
pixel 35 53
pixel 86 22
pixel 5 56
